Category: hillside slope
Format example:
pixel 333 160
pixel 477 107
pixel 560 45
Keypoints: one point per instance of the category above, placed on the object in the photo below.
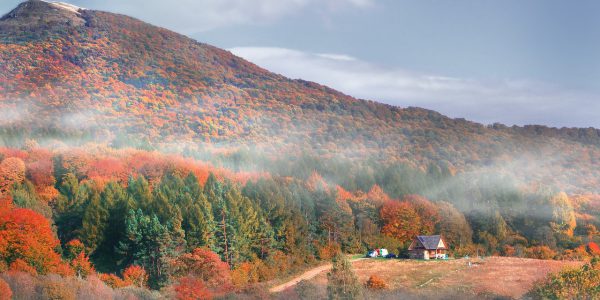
pixel 101 76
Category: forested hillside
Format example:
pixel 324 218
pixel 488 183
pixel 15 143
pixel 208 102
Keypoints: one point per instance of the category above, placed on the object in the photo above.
pixel 137 158
pixel 90 75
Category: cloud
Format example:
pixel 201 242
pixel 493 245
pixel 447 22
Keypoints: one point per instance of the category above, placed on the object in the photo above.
pixel 508 101
pixel 190 16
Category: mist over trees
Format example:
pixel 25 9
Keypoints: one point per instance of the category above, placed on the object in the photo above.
pixel 155 222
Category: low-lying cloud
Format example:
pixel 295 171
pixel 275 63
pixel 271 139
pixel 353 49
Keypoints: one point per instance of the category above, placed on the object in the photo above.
pixel 511 102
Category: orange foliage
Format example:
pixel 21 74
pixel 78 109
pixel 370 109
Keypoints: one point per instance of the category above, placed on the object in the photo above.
pixel 205 265
pixel 5 291
pixel 74 248
pixel 316 183
pixel 377 196
pixel 376 283
pixel 540 252
pixel 135 275
pixel 12 170
pixel 593 249
pixel 328 251
pixel 20 265
pixel 427 211
pixel 113 280
pixel 190 288
pixel 82 266
pixel 400 220
pixel 27 235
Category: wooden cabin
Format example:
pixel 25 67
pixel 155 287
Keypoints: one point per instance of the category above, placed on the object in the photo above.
pixel 428 247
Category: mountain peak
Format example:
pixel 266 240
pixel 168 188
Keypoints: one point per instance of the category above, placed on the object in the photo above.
pixel 34 15
pixel 65 6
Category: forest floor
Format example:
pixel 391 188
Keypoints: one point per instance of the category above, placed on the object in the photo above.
pixel 493 277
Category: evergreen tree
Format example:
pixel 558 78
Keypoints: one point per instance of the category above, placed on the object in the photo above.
pixel 342 282
pixel 152 245
pixel 94 222
pixel 25 196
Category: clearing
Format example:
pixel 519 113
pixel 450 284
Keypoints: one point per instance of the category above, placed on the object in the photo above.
pixel 494 276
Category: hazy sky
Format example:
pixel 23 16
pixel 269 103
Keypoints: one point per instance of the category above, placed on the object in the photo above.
pixel 511 61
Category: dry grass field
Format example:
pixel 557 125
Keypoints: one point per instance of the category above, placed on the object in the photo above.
pixel 494 277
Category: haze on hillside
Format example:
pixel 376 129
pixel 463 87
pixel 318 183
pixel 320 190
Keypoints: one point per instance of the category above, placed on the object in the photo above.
pixel 136 161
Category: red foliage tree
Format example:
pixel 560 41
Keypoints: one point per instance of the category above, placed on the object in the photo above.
pixel 593 249
pixel 400 220
pixel 20 265
pixel 190 288
pixel 27 235
pixel 74 248
pixel 206 266
pixel 82 266
pixel 427 211
pixel 135 275
pixel 377 196
pixel 113 280
pixel 12 170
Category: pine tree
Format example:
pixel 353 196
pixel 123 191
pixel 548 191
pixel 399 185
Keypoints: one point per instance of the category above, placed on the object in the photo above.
pixel 342 282
pixel 94 222
pixel 152 245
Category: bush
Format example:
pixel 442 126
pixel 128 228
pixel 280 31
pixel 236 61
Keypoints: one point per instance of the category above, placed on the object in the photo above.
pixel 593 249
pixel 5 291
pixel 307 290
pixel 112 280
pixel 540 252
pixel 207 266
pixel 190 288
pixel 376 283
pixel 583 283
pixel 53 288
pixel 328 251
pixel 135 275
pixel 22 284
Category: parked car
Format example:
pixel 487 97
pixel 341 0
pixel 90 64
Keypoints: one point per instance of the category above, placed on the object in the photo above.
pixel 377 253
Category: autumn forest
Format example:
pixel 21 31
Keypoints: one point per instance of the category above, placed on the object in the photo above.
pixel 136 163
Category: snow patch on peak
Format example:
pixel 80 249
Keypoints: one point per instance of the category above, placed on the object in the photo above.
pixel 65 6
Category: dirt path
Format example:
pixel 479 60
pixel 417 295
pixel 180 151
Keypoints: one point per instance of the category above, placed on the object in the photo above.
pixel 305 276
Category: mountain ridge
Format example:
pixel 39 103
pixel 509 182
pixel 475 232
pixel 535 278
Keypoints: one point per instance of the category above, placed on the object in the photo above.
pixel 111 75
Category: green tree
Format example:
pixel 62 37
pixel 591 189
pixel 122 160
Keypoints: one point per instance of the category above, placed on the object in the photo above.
pixel 152 245
pixel 342 282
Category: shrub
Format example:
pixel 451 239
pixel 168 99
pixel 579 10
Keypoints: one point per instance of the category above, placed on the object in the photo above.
pixel 82 265
pixel 112 280
pixel 205 265
pixel 22 284
pixel 5 291
pixel 376 283
pixel 135 275
pixel 329 251
pixel 55 289
pixel 20 265
pixel 540 252
pixel 74 248
pixel 307 290
pixel 582 283
pixel 593 249
pixel 190 288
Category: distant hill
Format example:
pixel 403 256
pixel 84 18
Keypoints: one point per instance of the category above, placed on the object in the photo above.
pixel 70 73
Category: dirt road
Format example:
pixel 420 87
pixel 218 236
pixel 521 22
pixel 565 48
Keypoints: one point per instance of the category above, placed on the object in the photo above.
pixel 305 276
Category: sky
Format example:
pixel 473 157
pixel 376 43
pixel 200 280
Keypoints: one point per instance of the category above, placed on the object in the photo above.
pixel 508 61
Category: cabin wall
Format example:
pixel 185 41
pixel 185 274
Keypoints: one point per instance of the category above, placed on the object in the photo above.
pixel 418 254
